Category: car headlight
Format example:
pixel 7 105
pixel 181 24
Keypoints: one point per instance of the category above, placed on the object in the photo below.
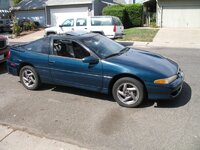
pixel 166 80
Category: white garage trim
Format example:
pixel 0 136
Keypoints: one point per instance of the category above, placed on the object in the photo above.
pixel 58 16
pixel 181 16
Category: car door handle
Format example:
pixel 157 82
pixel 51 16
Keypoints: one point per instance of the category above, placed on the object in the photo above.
pixel 51 62
pixel 85 28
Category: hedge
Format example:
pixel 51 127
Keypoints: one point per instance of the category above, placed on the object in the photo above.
pixel 130 15
pixel 115 10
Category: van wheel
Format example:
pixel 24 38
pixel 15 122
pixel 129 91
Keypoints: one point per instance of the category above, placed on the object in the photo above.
pixel 50 33
pixel 29 78
pixel 128 92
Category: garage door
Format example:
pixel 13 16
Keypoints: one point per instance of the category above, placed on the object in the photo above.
pixel 58 16
pixel 35 15
pixel 181 16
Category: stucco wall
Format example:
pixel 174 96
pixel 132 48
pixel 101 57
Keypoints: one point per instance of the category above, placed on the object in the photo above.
pixel 35 15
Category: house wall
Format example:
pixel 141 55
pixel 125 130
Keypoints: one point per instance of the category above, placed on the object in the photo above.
pixel 48 8
pixel 174 3
pixel 35 15
pixel 5 4
pixel 98 7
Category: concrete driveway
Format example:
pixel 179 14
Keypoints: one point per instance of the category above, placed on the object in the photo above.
pixel 29 37
pixel 178 37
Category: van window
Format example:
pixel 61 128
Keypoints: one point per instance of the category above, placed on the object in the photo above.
pixel 100 21
pixel 117 21
pixel 68 23
pixel 81 22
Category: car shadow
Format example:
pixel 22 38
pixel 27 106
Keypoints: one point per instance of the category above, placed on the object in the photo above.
pixel 180 101
pixel 3 68
pixel 77 91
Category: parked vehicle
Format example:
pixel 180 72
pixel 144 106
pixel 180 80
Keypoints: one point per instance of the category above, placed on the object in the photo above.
pixel 5 21
pixel 5 25
pixel 4 51
pixel 109 26
pixel 94 62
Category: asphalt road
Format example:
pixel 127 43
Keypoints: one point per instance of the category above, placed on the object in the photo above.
pixel 95 121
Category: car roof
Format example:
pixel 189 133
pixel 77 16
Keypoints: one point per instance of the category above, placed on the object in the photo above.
pixel 73 35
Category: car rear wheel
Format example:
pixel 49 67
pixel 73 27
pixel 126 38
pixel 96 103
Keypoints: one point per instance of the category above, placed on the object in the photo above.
pixel 128 92
pixel 29 78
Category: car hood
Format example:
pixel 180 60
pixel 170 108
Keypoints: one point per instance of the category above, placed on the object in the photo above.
pixel 55 28
pixel 146 60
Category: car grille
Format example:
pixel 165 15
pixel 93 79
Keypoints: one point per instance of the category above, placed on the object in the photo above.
pixel 2 44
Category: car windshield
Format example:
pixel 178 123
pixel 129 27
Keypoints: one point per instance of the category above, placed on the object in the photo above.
pixel 103 46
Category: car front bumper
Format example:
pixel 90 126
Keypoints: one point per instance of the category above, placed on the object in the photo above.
pixel 168 91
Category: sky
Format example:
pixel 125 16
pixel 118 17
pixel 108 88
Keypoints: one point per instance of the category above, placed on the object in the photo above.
pixel 137 1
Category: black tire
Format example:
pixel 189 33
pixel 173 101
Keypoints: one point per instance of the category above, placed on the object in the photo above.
pixel 34 77
pixel 119 93
pixel 50 33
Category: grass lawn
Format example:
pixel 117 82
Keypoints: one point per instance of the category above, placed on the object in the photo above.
pixel 138 34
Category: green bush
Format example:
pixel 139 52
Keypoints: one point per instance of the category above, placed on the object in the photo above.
pixel 16 28
pixel 153 20
pixel 28 25
pixel 130 15
pixel 134 12
pixel 115 10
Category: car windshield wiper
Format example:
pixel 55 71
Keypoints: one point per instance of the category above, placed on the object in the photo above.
pixel 115 54
pixel 120 52
pixel 124 50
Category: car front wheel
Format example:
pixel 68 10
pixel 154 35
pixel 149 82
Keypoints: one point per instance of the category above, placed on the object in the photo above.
pixel 128 92
pixel 29 78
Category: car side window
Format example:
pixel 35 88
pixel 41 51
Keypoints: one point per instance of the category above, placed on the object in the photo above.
pixel 68 23
pixel 81 22
pixel 69 49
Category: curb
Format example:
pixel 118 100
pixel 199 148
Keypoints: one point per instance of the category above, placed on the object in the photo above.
pixel 13 139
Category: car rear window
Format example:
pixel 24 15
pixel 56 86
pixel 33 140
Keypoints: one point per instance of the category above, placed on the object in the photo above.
pixel 39 46
pixel 101 21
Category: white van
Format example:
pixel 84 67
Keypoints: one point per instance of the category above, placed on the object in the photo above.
pixel 109 26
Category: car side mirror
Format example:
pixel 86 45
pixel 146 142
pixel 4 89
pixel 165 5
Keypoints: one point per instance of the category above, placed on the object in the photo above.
pixel 90 60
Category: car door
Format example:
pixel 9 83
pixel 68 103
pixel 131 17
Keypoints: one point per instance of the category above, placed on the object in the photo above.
pixel 67 26
pixel 81 24
pixel 68 68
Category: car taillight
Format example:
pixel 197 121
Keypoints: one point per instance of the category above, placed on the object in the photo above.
pixel 115 28
pixel 8 54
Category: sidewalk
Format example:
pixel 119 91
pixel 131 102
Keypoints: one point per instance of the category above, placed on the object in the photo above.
pixel 177 37
pixel 11 139
pixel 28 38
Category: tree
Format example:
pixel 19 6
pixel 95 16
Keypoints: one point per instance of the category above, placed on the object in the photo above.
pixel 16 2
